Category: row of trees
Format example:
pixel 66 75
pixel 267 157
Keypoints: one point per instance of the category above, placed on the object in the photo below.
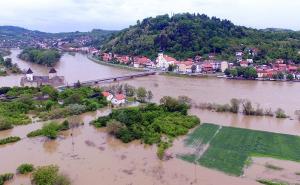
pixel 47 57
pixel 245 106
pixel 7 63
pixel 245 72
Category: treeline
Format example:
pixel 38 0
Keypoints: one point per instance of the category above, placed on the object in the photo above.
pixel 7 63
pixel 47 57
pixel 244 72
pixel 244 106
pixel 187 35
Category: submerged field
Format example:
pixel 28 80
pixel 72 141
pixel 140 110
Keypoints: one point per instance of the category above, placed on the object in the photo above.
pixel 229 149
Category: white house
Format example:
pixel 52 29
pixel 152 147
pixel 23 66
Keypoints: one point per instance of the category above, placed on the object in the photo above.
pixel 118 99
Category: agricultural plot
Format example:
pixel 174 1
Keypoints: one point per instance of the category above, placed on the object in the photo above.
pixel 229 149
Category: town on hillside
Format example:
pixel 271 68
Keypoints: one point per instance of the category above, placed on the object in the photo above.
pixel 241 68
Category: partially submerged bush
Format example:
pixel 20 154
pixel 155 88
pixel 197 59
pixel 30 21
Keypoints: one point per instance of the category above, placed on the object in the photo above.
pixel 280 113
pixel 49 175
pixel 50 130
pixel 114 126
pixel 10 139
pixel 25 168
pixel 5 177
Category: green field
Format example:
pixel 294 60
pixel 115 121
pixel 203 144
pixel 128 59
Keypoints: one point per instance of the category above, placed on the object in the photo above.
pixel 230 148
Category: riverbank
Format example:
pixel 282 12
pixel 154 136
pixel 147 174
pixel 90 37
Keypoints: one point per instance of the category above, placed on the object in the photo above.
pixel 113 65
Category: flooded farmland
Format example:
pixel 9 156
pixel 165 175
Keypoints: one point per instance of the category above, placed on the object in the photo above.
pixel 90 156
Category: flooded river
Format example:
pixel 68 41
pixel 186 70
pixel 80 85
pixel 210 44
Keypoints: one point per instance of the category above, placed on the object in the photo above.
pixel 91 157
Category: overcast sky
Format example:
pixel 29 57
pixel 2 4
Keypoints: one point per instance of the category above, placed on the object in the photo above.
pixel 84 15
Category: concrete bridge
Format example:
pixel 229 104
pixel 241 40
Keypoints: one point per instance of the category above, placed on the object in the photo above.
pixel 108 80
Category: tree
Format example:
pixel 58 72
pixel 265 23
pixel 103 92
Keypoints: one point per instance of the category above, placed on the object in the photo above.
pixel 141 94
pixel 234 72
pixel 114 126
pixel 49 175
pixel 194 67
pixel 290 77
pixel 227 72
pixel 149 96
pixel 171 67
pixel 235 105
pixel 8 62
pixel 129 90
pixel 77 84
pixel 250 73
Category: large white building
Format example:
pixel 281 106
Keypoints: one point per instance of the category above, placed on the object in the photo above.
pixel 163 61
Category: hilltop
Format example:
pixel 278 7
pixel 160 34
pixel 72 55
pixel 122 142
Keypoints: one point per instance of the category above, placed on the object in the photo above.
pixel 187 35
pixel 11 36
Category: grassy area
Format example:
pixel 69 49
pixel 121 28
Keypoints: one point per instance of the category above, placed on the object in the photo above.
pixel 11 139
pixel 230 148
pixel 271 182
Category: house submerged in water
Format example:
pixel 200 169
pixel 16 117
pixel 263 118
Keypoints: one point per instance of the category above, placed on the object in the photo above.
pixel 36 81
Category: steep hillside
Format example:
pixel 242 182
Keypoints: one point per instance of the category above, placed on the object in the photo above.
pixel 187 35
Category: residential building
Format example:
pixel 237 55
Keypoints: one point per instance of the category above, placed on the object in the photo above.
pixel 118 99
pixel 107 95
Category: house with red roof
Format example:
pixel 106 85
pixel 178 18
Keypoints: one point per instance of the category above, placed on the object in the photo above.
pixel 107 95
pixel 118 99
pixel 244 63
pixel 185 66
pixel 142 61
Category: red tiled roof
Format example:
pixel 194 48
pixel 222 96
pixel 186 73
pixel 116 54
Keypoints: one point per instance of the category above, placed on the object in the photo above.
pixel 105 94
pixel 141 60
pixel 120 97
pixel 169 59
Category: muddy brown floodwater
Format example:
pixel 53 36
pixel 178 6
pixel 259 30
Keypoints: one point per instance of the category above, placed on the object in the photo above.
pixel 91 157
pixel 73 67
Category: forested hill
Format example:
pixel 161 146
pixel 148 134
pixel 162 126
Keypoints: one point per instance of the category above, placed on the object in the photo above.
pixel 15 34
pixel 187 35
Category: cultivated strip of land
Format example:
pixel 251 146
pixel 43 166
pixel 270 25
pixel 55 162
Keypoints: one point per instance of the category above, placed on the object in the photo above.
pixel 229 149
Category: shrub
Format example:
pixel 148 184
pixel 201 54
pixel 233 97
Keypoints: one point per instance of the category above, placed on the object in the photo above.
pixel 10 139
pixel 100 122
pixel 4 124
pixel 35 133
pixel 25 168
pixel 49 175
pixel 5 177
pixel 280 113
pixel 50 130
pixel 113 126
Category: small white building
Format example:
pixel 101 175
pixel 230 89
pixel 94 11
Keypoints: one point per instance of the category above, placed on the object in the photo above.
pixel 163 61
pixel 118 99
pixel 224 66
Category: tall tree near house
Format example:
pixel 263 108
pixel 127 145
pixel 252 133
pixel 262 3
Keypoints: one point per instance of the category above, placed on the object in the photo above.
pixel 149 96
pixel 141 94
